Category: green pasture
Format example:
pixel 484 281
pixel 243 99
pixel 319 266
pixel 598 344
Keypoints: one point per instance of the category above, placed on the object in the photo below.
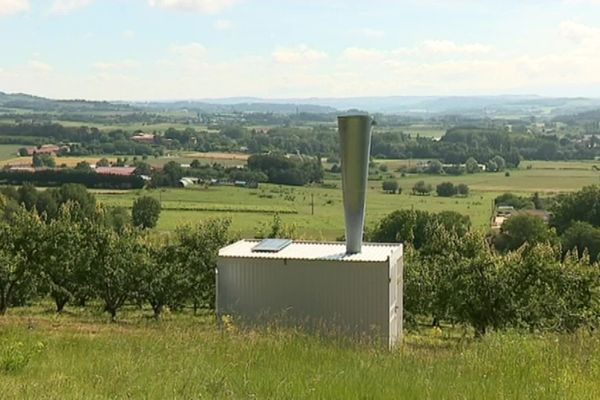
pixel 251 209
pixel 8 151
pixel 79 355
pixel 425 130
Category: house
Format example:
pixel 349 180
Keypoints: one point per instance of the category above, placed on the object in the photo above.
pixel 143 138
pixel 121 171
pixel 45 149
pixel 503 213
pixel 187 182
pixel 21 168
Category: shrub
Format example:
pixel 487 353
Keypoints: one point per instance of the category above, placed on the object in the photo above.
pixel 390 186
pixel 422 188
pixel 145 212
pixel 446 189
pixel 462 189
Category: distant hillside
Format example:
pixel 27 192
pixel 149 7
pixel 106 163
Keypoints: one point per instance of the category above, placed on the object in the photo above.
pixel 248 106
pixel 20 101
pixel 471 106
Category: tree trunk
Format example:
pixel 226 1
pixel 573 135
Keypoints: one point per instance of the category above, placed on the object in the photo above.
pixel 3 306
pixel 112 310
pixel 60 300
pixel 480 331
pixel 157 308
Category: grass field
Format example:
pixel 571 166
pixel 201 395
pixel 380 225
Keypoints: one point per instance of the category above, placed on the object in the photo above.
pixel 8 151
pixel 251 208
pixel 8 157
pixel 79 355
pixel 294 204
pixel 425 130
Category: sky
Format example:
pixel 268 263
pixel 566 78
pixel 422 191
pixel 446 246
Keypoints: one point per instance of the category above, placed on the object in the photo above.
pixel 199 49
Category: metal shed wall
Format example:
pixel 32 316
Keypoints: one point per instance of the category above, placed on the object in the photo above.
pixel 352 296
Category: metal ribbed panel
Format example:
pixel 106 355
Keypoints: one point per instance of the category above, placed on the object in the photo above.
pixel 333 251
pixel 350 296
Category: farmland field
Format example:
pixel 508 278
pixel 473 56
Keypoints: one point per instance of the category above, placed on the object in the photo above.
pixel 8 151
pixel 8 157
pixel 250 209
pixel 79 355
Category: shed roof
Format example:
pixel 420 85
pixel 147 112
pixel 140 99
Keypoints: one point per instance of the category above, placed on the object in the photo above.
pixel 301 250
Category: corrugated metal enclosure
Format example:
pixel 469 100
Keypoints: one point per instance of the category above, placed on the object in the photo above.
pixel 314 285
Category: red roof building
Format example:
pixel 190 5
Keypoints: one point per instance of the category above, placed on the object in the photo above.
pixel 122 171
pixel 45 149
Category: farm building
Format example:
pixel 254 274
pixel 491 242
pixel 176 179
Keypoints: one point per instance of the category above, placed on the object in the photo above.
pixel 143 138
pixel 316 285
pixel 188 182
pixel 45 149
pixel 123 171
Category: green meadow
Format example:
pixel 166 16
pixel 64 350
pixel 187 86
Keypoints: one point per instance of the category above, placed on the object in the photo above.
pixel 80 355
pixel 249 209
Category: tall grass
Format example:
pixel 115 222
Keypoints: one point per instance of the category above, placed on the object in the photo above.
pixel 181 356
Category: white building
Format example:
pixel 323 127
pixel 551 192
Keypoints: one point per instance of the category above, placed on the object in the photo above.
pixel 314 285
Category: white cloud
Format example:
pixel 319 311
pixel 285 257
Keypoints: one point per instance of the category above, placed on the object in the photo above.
pixel 374 55
pixel 116 65
pixel 298 54
pixel 39 66
pixel 372 33
pixel 223 24
pixel 8 7
pixel 579 33
pixel 61 7
pixel 128 34
pixel 189 51
pixel 203 6
pixel 449 47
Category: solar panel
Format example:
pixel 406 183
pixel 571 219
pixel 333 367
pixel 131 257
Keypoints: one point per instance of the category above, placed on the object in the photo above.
pixel 271 245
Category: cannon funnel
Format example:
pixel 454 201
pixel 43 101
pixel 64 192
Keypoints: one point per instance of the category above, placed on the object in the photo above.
pixel 355 147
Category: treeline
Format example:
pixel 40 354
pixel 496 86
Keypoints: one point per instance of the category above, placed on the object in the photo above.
pixel 75 258
pixel 58 177
pixel 82 140
pixel 454 274
pixel 458 145
pixel 172 172
pixel 287 170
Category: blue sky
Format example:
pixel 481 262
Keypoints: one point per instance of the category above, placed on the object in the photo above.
pixel 193 49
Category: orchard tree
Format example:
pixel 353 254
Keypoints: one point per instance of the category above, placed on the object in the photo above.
pixel 198 250
pixel 19 257
pixel 582 237
pixel 523 228
pixel 65 256
pixel 114 268
pixel 164 281
pixel 145 212
pixel 477 289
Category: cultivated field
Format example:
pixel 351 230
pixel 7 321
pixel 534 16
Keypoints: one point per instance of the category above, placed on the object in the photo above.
pixel 79 355
pixel 8 157
pixel 8 151
pixel 250 209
